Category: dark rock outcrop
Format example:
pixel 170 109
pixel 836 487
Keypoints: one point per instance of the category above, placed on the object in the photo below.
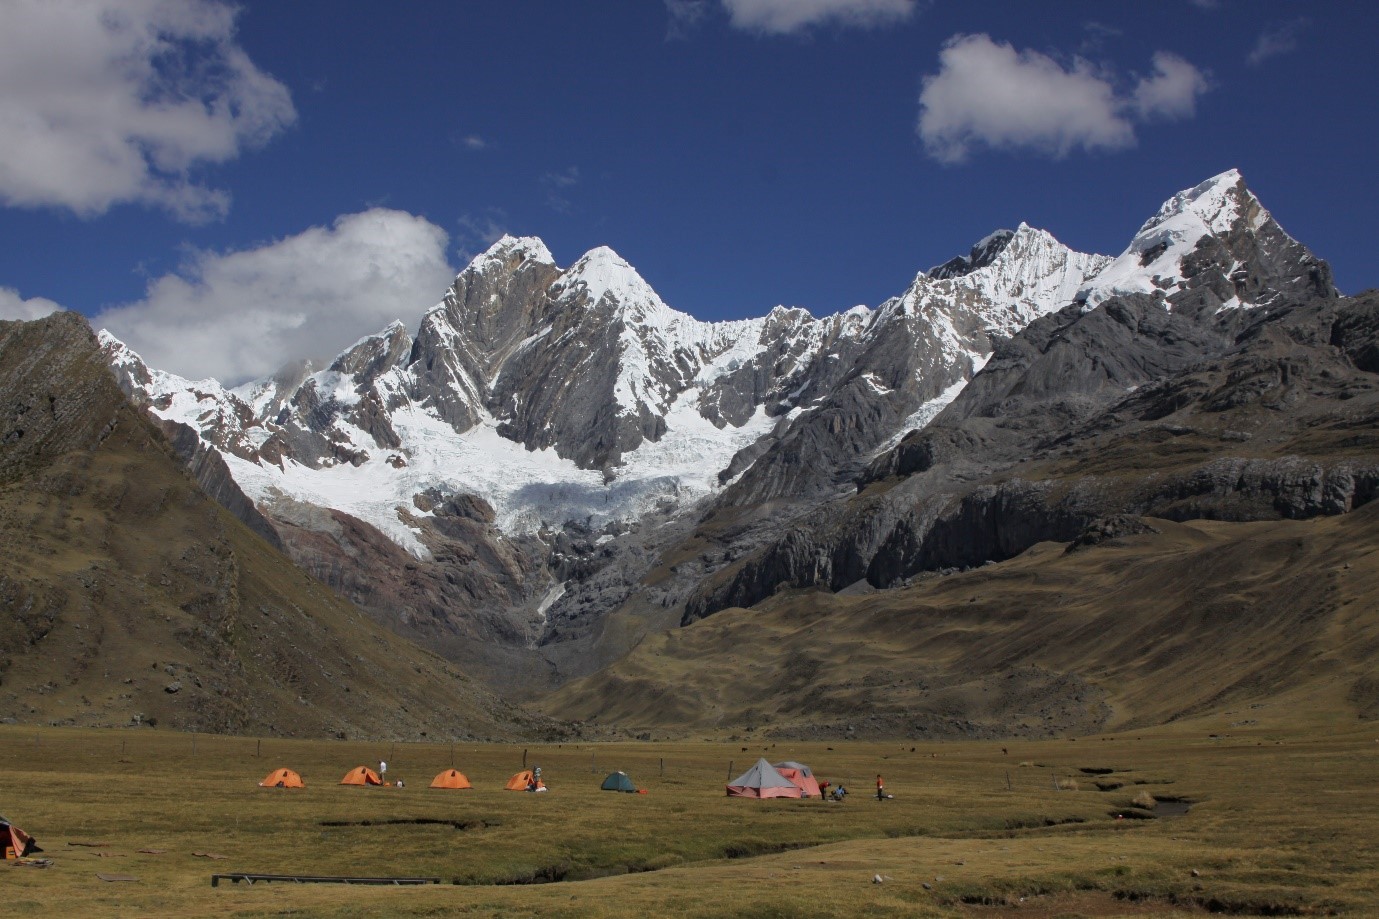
pixel 1107 529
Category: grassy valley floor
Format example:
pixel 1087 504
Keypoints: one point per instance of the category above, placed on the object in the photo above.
pixel 1281 819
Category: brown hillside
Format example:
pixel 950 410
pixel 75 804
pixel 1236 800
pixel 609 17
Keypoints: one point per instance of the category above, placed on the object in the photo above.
pixel 1124 632
pixel 127 596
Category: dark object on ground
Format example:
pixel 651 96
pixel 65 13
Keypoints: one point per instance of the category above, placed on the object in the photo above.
pixel 236 877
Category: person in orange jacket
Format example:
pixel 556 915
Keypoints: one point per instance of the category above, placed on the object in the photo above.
pixel 880 789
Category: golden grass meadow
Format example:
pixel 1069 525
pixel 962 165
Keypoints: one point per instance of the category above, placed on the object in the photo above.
pixel 1281 819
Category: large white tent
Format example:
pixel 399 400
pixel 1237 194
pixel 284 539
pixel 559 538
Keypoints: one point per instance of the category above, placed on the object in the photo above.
pixel 762 781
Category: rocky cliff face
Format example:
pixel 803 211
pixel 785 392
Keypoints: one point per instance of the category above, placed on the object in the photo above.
pixel 57 393
pixel 917 351
pixel 1124 409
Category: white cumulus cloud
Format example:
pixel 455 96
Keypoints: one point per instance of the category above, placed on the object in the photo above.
pixel 1172 90
pixel 13 306
pixel 240 315
pixel 782 17
pixel 987 93
pixel 104 102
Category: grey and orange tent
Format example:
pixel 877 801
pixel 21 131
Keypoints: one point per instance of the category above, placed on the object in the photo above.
pixel 17 843
pixel 451 778
pixel 762 781
pixel 282 778
pixel 802 776
pixel 361 775
pixel 523 780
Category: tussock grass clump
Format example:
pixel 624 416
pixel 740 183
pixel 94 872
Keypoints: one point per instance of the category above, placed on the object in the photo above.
pixel 1145 800
pixel 1068 784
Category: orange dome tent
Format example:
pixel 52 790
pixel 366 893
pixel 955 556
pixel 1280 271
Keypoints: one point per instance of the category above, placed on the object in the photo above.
pixel 522 780
pixel 17 843
pixel 361 775
pixel 282 778
pixel 451 778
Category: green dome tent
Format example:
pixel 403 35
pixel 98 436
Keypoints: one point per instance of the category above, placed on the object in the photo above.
pixel 618 781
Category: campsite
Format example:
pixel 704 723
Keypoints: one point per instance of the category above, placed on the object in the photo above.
pixel 978 828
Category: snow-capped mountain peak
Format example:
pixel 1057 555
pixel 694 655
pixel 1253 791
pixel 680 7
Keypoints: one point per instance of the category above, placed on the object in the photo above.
pixel 584 376
pixel 601 274
pixel 1010 277
pixel 512 249
pixel 982 254
pixel 580 395
pixel 1215 204
pixel 1214 236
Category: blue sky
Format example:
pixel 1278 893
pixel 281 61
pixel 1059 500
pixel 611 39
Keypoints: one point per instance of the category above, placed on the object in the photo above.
pixel 228 187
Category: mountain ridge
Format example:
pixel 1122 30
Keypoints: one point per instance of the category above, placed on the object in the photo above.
pixel 548 435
